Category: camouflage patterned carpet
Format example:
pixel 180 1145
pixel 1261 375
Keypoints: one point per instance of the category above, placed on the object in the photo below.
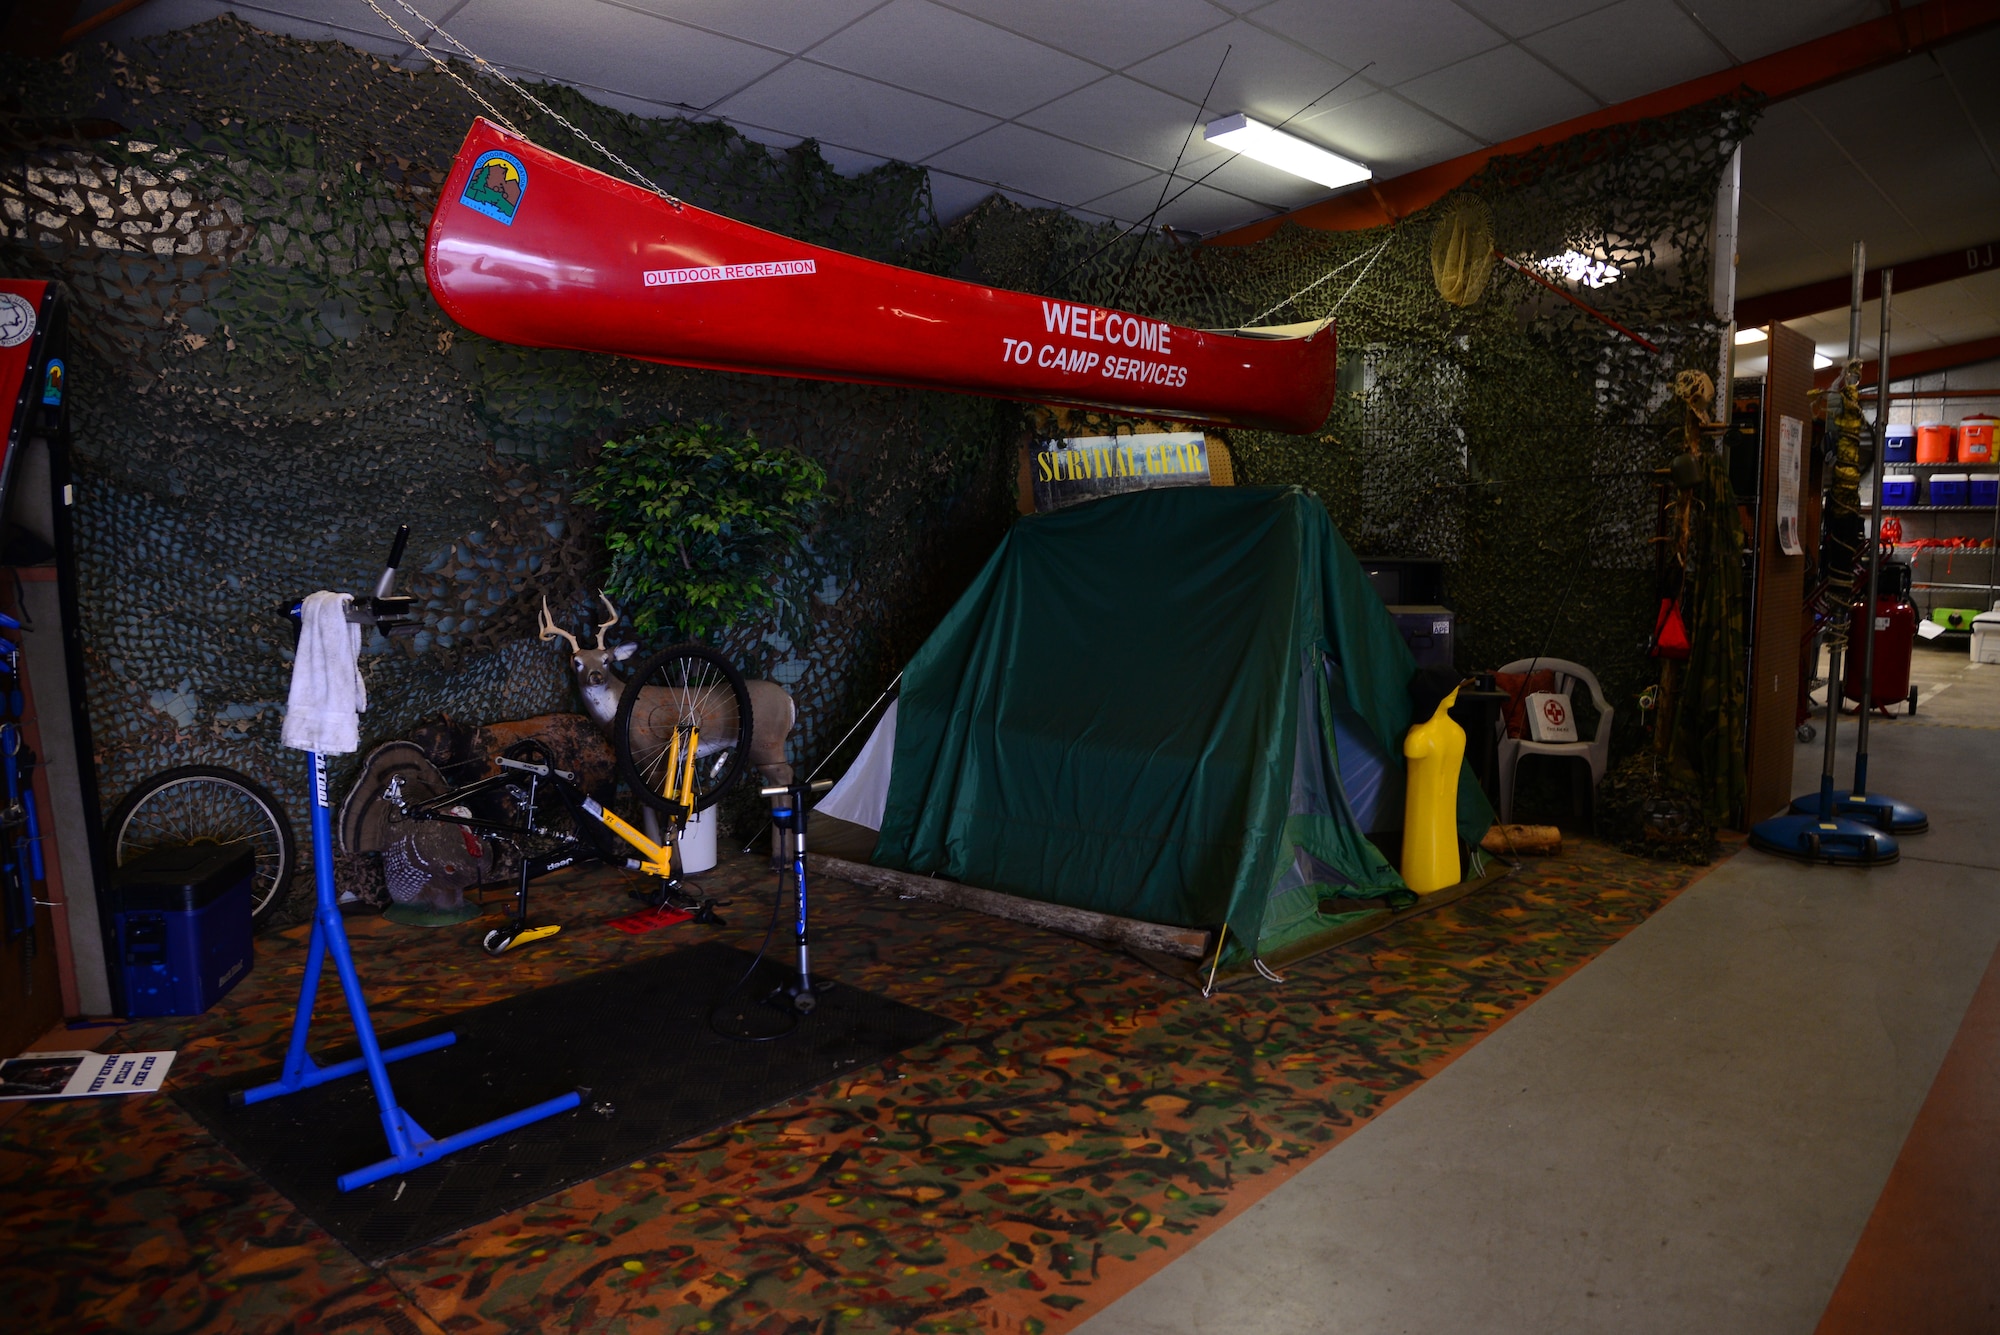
pixel 1088 1122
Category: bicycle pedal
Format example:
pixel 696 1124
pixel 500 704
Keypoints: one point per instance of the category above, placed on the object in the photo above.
pixel 503 939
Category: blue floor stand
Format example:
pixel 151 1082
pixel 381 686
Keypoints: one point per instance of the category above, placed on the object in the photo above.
pixel 1821 834
pixel 410 1146
pixel 1884 813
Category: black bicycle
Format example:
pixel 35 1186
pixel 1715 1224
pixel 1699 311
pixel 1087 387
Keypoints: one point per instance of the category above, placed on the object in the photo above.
pixel 682 737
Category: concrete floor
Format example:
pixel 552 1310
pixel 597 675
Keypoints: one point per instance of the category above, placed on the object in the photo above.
pixel 1687 1135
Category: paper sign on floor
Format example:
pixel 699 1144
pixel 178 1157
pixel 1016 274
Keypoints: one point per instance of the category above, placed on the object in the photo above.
pixel 70 1075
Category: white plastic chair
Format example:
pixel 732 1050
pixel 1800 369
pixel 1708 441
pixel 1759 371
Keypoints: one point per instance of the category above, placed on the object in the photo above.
pixel 1596 752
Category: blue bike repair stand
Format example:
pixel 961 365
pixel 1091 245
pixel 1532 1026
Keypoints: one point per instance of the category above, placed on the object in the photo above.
pixel 1814 831
pixel 410 1146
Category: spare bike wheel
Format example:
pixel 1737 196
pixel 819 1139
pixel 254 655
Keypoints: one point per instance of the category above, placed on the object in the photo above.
pixel 687 686
pixel 207 804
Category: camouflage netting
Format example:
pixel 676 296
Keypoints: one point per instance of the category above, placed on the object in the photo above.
pixel 264 389
pixel 1513 437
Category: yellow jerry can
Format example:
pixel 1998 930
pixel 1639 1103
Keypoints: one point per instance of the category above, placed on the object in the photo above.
pixel 1435 751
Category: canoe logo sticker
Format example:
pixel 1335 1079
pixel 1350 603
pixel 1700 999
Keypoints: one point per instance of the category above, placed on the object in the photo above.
pixel 17 320
pixel 726 273
pixel 495 187
pixel 52 383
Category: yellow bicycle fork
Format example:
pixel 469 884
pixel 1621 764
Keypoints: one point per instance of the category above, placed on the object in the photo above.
pixel 655 859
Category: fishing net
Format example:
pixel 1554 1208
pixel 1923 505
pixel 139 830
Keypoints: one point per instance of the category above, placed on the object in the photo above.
pixel 263 389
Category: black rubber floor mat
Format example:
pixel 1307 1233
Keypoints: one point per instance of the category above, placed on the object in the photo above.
pixel 636 1037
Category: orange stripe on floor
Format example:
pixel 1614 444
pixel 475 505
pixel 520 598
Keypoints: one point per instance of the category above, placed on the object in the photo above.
pixel 1929 1259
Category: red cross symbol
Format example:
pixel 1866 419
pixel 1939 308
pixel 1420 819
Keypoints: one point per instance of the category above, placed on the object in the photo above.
pixel 1553 711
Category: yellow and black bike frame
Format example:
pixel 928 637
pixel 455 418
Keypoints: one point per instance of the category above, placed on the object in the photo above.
pixel 601 834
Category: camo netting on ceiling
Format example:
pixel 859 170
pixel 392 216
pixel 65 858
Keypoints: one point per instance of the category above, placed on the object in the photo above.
pixel 264 389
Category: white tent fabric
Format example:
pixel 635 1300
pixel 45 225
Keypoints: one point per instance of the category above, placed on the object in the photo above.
pixel 863 792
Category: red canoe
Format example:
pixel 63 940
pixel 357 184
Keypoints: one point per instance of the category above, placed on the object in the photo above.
pixel 529 247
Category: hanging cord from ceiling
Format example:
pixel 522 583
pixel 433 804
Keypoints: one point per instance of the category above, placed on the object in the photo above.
pixel 1227 159
pixel 1371 257
pixel 1168 182
pixel 639 178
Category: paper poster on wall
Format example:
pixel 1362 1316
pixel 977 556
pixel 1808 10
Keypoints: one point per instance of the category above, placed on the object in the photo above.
pixel 1791 453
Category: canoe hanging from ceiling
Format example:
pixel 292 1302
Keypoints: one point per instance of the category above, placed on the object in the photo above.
pixel 529 247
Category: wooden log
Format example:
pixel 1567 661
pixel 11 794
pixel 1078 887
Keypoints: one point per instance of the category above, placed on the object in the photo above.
pixel 1186 942
pixel 1516 840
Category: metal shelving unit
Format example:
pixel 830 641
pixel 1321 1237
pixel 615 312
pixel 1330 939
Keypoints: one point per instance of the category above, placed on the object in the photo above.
pixel 1900 509
pixel 1990 554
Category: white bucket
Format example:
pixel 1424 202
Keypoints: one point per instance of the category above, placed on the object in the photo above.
pixel 698 842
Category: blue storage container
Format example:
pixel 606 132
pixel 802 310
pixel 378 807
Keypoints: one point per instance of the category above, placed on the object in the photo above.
pixel 1983 489
pixel 1900 447
pixel 182 923
pixel 1899 489
pixel 1948 489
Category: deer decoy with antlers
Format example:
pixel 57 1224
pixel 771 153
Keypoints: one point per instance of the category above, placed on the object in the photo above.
pixel 772 712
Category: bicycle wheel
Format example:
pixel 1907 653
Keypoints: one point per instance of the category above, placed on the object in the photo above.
pixel 685 686
pixel 207 804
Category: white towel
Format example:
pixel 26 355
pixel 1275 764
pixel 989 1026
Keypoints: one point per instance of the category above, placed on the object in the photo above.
pixel 327 695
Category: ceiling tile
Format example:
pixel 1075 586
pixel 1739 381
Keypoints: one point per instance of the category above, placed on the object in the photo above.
pixel 1264 75
pixel 1498 95
pixel 784 24
pixel 1775 250
pixel 1038 163
pixel 1634 47
pixel 811 100
pixel 1518 18
pixel 1126 118
pixel 953 196
pixel 1404 39
pixel 1903 127
pixel 1387 133
pixel 605 47
pixel 1197 209
pixel 1752 30
pixel 1110 32
pixel 916 45
pixel 1970 63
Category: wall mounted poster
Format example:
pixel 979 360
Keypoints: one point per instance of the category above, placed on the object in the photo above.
pixel 1791 454
pixel 1084 468
pixel 71 1075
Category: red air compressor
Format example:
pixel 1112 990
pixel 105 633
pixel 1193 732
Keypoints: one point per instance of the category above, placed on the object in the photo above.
pixel 1895 641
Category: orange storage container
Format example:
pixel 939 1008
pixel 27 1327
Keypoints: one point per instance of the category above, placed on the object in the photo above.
pixel 1933 442
pixel 1975 439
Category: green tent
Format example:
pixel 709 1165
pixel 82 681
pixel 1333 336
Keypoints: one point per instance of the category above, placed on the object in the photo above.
pixel 1185 706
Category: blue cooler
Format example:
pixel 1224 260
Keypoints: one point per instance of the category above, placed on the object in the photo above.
pixel 1900 444
pixel 1899 489
pixel 1949 489
pixel 182 921
pixel 1983 489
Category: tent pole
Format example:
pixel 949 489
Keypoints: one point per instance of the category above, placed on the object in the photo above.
pixel 1219 938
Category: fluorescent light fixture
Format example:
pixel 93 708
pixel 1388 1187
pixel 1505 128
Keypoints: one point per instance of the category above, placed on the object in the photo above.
pixel 1821 361
pixel 1580 268
pixel 1289 153
pixel 1745 337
